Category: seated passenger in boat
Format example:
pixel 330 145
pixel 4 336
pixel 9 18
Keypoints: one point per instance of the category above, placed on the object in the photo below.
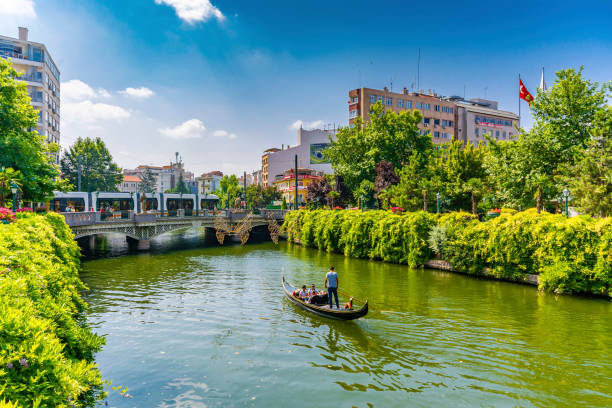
pixel 349 305
pixel 320 298
pixel 303 293
pixel 312 291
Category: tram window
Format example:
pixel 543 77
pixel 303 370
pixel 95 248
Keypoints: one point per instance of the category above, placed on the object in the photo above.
pixel 60 204
pixel 115 204
pixel 175 204
pixel 208 204
pixel 150 204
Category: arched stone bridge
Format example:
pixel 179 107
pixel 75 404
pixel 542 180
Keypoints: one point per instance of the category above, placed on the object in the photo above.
pixel 143 227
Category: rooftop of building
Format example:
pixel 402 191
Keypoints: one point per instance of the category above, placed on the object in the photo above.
pixel 131 179
pixel 212 173
pixel 479 106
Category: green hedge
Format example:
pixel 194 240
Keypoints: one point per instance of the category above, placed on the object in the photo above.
pixel 377 235
pixel 571 255
pixel 46 348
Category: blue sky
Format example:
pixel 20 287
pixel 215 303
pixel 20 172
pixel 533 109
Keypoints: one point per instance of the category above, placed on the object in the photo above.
pixel 220 81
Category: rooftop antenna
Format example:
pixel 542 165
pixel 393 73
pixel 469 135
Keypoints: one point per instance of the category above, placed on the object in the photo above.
pixel 419 70
pixel 464 92
pixel 486 87
pixel 391 85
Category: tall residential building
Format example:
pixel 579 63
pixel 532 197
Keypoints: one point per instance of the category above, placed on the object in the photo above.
pixel 309 149
pixel 439 115
pixel 42 77
pixel 477 117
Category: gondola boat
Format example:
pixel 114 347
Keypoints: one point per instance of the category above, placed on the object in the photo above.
pixel 324 311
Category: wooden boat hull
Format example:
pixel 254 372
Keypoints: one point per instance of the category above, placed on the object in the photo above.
pixel 338 314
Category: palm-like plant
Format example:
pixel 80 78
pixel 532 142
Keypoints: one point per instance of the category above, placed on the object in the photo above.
pixel 8 177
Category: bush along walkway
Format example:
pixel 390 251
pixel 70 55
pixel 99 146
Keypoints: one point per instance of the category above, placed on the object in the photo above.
pixel 46 348
pixel 568 255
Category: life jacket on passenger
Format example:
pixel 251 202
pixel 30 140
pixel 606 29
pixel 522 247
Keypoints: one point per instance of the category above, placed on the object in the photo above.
pixel 349 305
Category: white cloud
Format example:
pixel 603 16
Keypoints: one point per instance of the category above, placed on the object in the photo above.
pixel 224 133
pixel 20 8
pixel 310 125
pixel 91 114
pixel 193 11
pixel 76 90
pixel 142 92
pixel 191 129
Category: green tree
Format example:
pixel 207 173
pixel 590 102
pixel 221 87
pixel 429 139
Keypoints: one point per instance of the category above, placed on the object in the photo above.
pixel 21 147
pixel 590 179
pixel 147 182
pixel 8 178
pixel 228 187
pixel 528 171
pixel 412 191
pixel 259 197
pixel 569 111
pixel 388 136
pixel 180 186
pixel 98 171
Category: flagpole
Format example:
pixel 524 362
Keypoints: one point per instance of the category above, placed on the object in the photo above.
pixel 519 101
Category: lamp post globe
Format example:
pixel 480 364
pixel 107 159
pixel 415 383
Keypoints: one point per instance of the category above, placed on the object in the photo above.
pixel 566 194
pixel 14 189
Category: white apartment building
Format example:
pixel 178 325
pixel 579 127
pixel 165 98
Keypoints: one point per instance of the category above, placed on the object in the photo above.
pixel 478 117
pixel 42 77
pixel 310 144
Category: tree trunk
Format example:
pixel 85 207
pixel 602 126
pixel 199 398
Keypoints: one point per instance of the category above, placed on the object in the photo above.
pixel 539 201
pixel 425 200
pixel 474 204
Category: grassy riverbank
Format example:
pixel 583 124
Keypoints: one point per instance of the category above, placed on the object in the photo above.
pixel 570 255
pixel 46 348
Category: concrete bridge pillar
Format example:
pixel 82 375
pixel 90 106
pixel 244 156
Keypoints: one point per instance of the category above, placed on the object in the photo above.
pixel 144 244
pixel 92 242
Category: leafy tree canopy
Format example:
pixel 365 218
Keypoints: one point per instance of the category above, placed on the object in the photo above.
pixel 180 186
pixel 228 187
pixel 259 197
pixel 21 147
pixel 388 136
pixel 98 171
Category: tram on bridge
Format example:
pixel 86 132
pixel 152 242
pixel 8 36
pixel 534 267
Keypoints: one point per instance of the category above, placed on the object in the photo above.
pixel 162 203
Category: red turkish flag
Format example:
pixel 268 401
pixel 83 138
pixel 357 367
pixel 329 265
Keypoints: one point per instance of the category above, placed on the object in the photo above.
pixel 524 93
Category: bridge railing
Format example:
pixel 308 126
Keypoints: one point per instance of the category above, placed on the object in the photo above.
pixel 74 219
pixel 278 214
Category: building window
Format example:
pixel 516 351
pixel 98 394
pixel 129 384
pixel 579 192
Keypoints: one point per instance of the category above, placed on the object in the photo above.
pixel 436 122
pixel 444 135
pixel 353 114
pixel 426 106
pixel 476 131
pixel 437 135
pixel 437 108
pixel 503 135
pixel 400 103
pixel 444 122
pixel 408 105
pixel 379 98
pixel 450 110
pixel 450 123
pixel 426 121
pixel 372 98
pixel 389 101
pixel 497 134
pixel 419 105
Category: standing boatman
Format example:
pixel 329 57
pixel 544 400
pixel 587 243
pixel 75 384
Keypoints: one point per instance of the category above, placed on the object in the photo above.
pixel 331 283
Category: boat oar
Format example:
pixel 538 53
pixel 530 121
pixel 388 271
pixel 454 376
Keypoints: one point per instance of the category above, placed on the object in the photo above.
pixel 354 298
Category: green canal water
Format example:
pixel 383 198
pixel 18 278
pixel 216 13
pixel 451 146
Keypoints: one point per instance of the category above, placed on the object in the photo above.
pixel 209 327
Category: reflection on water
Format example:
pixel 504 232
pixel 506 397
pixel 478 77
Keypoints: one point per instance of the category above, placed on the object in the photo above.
pixel 209 327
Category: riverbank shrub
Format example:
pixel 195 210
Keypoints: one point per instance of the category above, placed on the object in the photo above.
pixel 570 255
pixel 381 235
pixel 46 348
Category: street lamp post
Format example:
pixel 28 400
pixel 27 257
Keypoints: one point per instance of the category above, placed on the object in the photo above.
pixel 566 194
pixel 180 203
pixel 438 195
pixel 361 198
pixel 14 188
